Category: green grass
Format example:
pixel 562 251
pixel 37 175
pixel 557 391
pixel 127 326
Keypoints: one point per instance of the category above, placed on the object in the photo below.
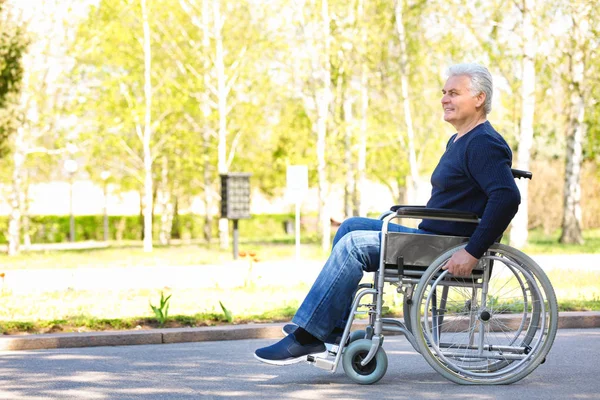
pixel 541 243
pixel 75 311
pixel 120 255
pixel 89 324
pixel 81 311
pixel 275 248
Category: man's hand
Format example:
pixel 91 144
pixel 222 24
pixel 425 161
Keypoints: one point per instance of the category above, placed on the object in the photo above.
pixel 461 263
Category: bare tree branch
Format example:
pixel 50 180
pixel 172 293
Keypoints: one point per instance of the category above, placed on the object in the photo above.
pixel 136 118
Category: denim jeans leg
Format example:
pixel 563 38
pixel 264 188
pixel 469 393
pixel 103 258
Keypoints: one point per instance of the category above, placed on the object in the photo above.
pixel 331 295
pixel 369 224
pixel 363 237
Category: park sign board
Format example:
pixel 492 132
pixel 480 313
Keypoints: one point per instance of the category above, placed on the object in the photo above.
pixel 297 188
pixel 297 182
pixel 235 195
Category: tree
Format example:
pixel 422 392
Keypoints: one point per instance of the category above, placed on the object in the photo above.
pixel 406 102
pixel 581 42
pixel 124 84
pixel 147 135
pixel 316 94
pixel 13 44
pixel 408 133
pixel 519 230
pixel 222 68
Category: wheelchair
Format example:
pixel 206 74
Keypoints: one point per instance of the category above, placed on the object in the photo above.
pixel 493 327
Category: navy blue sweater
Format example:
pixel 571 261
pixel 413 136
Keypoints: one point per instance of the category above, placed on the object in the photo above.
pixel 474 175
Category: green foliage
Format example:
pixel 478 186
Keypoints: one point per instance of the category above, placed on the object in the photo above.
pixel 55 229
pixel 228 315
pixel 161 312
pixel 592 145
pixel 19 326
pixel 13 44
pixel 269 104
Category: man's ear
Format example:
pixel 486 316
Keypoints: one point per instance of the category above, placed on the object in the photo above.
pixel 480 99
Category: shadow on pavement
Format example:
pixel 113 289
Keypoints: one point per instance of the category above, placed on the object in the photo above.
pixel 228 370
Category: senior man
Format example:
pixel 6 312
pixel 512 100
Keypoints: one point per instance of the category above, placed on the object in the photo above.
pixel 474 174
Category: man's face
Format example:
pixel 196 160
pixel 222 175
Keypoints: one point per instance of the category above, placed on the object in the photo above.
pixel 459 104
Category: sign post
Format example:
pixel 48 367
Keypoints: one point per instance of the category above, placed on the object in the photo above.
pixel 297 187
pixel 235 201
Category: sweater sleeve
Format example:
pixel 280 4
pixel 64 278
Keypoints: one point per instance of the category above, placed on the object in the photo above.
pixel 488 162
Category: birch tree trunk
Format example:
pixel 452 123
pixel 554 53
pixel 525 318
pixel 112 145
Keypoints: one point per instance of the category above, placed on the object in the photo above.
pixel 359 203
pixel 14 224
pixel 148 191
pixel 26 217
pixel 571 223
pixel 322 99
pixel 166 217
pixel 19 156
pixel 519 230
pixel 206 111
pixel 415 179
pixel 582 46
pixel 360 181
pixel 316 48
pixel 222 109
pixel 349 184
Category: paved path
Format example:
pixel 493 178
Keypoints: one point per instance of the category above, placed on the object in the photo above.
pixel 221 370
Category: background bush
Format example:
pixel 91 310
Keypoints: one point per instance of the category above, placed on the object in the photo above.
pixel 55 228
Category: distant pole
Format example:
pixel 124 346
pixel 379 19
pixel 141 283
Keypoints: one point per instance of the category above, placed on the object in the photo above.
pixel 105 220
pixel 296 189
pixel 105 175
pixel 71 167
pixel 297 230
pixel 236 238
pixel 71 216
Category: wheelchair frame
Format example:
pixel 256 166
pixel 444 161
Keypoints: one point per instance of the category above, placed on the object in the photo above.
pixel 475 360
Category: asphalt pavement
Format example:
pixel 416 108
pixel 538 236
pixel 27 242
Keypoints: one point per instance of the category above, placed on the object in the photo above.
pixel 224 370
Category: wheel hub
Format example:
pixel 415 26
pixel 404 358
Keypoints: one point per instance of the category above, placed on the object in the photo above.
pixel 485 315
pixel 363 369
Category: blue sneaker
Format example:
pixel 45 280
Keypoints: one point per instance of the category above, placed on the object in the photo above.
pixel 289 351
pixel 332 339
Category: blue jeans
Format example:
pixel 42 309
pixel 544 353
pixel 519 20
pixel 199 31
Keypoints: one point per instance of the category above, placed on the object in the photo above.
pixel 355 250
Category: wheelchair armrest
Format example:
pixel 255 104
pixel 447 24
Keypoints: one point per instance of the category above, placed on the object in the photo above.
pixel 421 212
pixel 518 174
pixel 397 207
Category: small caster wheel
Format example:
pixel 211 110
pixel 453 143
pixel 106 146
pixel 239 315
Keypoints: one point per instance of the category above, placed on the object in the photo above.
pixel 353 356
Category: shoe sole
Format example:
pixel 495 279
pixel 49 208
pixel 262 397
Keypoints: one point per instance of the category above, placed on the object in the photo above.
pixel 291 361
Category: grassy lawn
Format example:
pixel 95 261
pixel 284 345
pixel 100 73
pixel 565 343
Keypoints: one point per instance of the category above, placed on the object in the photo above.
pixel 540 243
pixel 132 254
pixel 78 310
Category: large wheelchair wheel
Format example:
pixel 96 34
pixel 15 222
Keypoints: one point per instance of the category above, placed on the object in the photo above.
pixel 353 356
pixel 494 327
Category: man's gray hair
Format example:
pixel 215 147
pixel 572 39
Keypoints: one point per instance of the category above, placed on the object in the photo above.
pixel 481 81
